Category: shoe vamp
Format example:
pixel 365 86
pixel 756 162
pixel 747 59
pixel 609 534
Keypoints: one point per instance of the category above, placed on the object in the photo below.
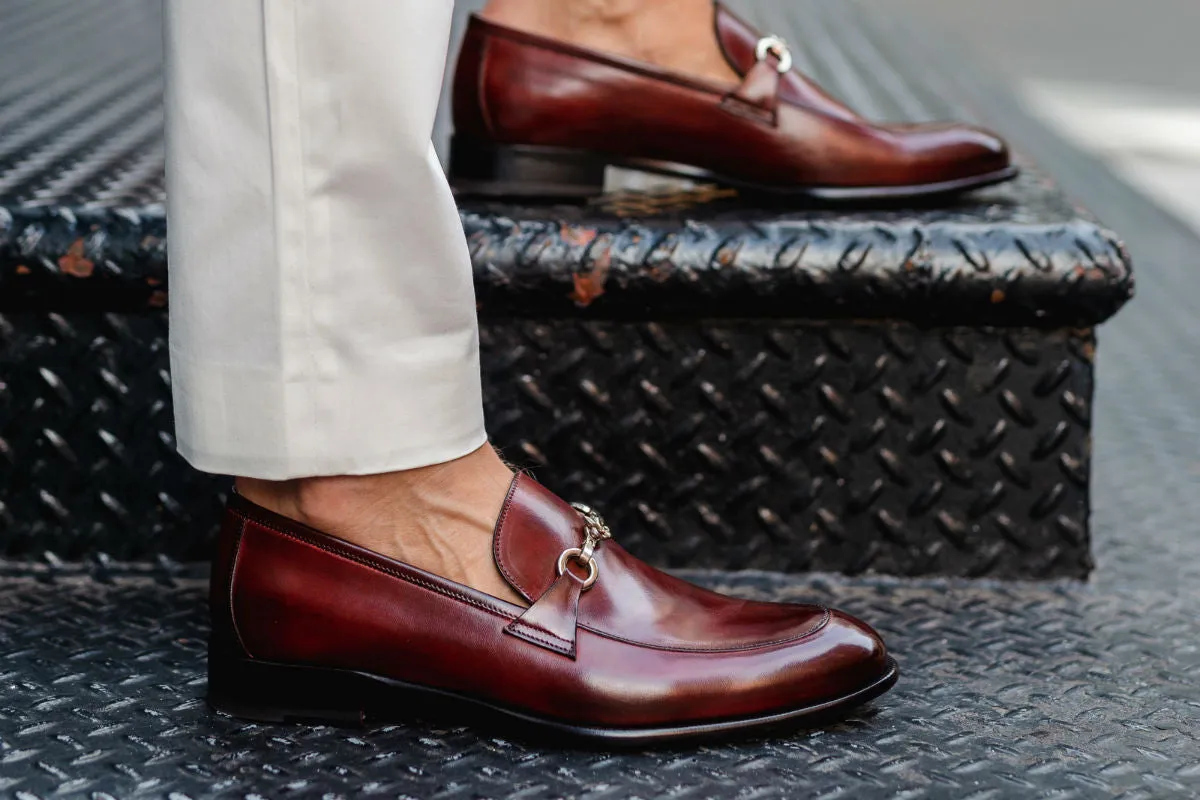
pixel 635 602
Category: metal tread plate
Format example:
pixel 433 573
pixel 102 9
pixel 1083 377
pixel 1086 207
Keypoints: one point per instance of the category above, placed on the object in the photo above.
pixel 709 261
pixel 1007 691
pixel 841 448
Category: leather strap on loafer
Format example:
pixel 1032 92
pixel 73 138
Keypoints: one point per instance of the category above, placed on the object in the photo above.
pixel 551 622
pixel 758 95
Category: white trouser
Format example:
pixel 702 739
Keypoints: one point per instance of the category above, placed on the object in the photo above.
pixel 322 310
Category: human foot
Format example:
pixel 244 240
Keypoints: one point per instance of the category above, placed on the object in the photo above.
pixel 438 518
pixel 673 34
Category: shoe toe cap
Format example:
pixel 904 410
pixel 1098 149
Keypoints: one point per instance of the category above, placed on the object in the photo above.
pixel 857 655
pixel 985 149
pixel 952 151
pixel 846 657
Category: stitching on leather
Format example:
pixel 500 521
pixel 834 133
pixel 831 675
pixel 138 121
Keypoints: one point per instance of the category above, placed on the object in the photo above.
pixel 526 627
pixel 237 557
pixel 534 626
pixel 481 99
pixel 539 629
pixel 522 633
pixel 498 534
pixel 527 631
pixel 582 54
pixel 743 108
pixel 814 628
pixel 349 556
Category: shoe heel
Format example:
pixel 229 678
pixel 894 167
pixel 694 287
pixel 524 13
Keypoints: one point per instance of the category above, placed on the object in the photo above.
pixel 486 169
pixel 264 692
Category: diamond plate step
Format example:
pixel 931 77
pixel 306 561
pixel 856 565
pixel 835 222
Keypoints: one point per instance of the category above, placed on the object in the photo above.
pixel 1007 691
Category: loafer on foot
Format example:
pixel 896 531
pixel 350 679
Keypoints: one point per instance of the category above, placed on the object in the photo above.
pixel 307 626
pixel 539 117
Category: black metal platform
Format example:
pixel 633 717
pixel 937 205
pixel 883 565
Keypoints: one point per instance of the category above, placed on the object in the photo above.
pixel 895 390
pixel 1009 690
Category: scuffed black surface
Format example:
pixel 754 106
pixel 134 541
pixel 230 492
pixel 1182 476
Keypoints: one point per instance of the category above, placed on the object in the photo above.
pixel 840 448
pixel 973 266
pixel 1011 262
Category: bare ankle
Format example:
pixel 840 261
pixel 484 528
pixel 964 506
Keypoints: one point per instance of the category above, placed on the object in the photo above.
pixel 282 497
pixel 567 12
pixel 675 34
pixel 313 501
pixel 439 518
pixel 318 501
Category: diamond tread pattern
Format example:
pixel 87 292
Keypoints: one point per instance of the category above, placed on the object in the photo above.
pixel 878 448
pixel 1007 691
pixel 835 448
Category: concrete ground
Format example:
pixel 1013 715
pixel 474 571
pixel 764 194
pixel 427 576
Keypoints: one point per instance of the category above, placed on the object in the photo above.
pixel 1150 43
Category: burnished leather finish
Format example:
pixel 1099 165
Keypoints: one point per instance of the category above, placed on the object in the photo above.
pixel 528 98
pixel 639 656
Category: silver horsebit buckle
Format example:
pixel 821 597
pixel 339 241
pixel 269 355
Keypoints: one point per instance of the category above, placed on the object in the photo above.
pixel 774 46
pixel 595 531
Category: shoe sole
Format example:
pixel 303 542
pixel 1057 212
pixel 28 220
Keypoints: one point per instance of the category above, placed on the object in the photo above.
pixel 262 691
pixel 479 169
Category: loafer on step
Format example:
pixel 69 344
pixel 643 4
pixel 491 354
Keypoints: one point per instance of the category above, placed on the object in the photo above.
pixel 542 118
pixel 310 627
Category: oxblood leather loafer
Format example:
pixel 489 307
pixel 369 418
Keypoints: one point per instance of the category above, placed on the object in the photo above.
pixel 310 627
pixel 540 117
